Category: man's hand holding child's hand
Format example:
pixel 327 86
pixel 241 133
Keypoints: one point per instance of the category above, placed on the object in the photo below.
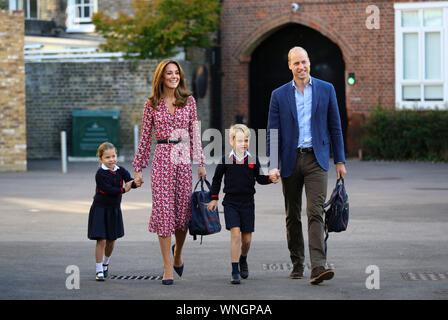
pixel 274 175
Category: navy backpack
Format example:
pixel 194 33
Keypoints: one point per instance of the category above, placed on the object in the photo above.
pixel 336 216
pixel 202 221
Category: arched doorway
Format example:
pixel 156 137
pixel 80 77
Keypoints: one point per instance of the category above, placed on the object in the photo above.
pixel 269 69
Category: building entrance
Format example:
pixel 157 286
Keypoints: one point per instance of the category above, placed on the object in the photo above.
pixel 269 69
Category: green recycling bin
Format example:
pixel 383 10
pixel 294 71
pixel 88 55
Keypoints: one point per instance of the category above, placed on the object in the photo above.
pixel 90 128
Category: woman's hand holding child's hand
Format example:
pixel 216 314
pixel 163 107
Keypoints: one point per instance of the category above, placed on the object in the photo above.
pixel 212 205
pixel 138 178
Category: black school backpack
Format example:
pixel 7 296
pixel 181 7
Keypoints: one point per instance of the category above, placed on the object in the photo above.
pixel 336 216
pixel 202 221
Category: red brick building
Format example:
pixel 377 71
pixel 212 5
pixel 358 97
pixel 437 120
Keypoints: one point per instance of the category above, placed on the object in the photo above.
pixel 394 49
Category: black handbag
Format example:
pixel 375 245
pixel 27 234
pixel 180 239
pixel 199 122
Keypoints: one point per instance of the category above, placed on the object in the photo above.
pixel 336 216
pixel 203 222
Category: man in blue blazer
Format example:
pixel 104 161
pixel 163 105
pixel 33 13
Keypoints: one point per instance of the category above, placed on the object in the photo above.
pixel 304 117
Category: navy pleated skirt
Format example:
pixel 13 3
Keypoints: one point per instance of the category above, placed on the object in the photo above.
pixel 105 223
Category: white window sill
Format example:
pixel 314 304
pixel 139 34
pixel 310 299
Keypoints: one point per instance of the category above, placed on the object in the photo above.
pixel 80 28
pixel 421 105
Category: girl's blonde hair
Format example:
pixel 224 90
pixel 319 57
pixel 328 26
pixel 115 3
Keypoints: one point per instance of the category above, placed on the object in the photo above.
pixel 238 127
pixel 103 147
pixel 181 93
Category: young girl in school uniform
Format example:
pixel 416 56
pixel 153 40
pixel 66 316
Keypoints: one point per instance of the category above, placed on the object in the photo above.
pixel 105 218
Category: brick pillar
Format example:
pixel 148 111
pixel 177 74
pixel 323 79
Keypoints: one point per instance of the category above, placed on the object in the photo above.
pixel 12 92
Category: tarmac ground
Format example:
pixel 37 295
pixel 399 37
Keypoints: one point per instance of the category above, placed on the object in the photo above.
pixel 395 247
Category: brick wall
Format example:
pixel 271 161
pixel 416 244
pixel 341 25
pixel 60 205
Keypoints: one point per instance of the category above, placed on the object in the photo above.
pixel 48 9
pixel 368 53
pixel 12 92
pixel 53 10
pixel 54 89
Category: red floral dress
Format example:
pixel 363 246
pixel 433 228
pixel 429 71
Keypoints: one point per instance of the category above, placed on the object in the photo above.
pixel 171 173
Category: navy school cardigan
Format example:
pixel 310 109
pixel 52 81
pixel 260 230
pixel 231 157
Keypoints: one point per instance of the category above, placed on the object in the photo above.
pixel 110 186
pixel 239 178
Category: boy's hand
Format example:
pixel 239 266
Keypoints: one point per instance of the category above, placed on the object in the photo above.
pixel 212 205
pixel 274 175
pixel 128 186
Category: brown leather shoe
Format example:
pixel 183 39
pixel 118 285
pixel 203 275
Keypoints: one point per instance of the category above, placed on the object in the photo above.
pixel 320 274
pixel 297 272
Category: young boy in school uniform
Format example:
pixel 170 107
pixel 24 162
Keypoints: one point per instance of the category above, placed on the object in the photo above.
pixel 240 170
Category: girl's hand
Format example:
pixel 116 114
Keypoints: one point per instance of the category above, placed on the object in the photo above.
pixel 201 173
pixel 128 185
pixel 212 205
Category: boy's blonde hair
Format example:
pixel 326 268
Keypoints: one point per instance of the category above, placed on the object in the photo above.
pixel 238 127
pixel 103 147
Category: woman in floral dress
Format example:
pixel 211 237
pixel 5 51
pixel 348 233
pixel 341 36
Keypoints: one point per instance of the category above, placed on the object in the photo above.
pixel 170 112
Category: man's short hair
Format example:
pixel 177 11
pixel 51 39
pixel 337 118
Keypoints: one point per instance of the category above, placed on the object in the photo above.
pixel 238 127
pixel 294 49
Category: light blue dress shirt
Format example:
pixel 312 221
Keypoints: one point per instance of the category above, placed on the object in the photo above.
pixel 303 105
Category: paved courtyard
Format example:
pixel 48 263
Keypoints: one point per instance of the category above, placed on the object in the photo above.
pixel 395 246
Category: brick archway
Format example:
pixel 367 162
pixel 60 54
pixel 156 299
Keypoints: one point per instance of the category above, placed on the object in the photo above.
pixel 368 53
pixel 245 49
pixel 243 52
pixel 268 68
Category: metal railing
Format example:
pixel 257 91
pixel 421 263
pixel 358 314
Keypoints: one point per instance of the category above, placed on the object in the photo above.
pixel 33 53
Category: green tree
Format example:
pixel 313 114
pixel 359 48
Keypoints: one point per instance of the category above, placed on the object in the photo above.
pixel 159 26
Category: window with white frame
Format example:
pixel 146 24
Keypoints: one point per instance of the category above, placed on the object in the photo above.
pixel 420 54
pixel 79 15
pixel 29 7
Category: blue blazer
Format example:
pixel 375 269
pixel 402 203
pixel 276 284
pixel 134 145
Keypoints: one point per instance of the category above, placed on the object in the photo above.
pixel 325 127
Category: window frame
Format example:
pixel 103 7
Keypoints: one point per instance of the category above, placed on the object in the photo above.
pixel 399 55
pixel 80 24
pixel 14 5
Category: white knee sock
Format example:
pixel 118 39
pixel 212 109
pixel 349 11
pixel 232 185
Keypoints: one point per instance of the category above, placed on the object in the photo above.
pixel 99 267
pixel 106 260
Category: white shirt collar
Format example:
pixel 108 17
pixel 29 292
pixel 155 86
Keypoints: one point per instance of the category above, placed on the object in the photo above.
pixel 106 168
pixel 233 154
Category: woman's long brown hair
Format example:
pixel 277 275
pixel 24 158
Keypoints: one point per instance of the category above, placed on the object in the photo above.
pixel 181 93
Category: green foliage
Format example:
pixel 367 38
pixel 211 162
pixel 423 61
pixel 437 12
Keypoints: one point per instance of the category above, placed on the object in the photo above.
pixel 159 26
pixel 406 135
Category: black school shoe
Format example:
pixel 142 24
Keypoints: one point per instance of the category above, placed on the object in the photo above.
pixel 105 270
pixel 235 278
pixel 244 269
pixel 99 276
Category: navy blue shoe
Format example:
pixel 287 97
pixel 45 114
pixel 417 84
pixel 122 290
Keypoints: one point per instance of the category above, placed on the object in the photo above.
pixel 244 269
pixel 179 270
pixel 168 282
pixel 235 278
